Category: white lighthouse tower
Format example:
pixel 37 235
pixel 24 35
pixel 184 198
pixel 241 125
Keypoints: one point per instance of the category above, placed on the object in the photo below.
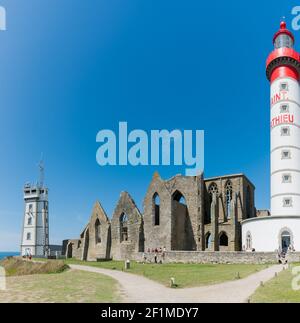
pixel 283 73
pixel 281 230
pixel 35 234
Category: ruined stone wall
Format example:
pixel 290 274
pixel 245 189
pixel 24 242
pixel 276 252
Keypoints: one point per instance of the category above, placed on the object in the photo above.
pixel 239 186
pixel 183 230
pixel 167 234
pixel 198 257
pixel 97 246
pixel 64 246
pixel 186 217
pixel 121 249
pixel 72 248
pixel 186 220
pixel 229 218
pixel 248 192
pixel 157 236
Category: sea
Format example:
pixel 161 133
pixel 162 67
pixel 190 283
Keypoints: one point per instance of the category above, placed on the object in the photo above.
pixel 7 254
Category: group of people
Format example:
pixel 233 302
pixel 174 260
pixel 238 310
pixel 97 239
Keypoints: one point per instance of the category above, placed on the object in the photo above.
pixel 157 254
pixel 291 248
pixel 286 249
pixel 249 250
pixel 282 253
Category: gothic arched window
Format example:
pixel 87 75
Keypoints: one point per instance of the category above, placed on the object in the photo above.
pixel 228 198
pixel 248 241
pixel 156 206
pixel 212 190
pixel 97 231
pixel 207 240
pixel 124 227
pixel 178 197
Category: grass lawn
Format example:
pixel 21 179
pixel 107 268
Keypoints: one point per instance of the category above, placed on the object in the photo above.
pixel 67 287
pixel 186 275
pixel 278 290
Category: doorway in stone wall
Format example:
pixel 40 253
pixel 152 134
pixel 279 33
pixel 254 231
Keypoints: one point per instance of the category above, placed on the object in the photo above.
pixel 285 241
pixel 70 250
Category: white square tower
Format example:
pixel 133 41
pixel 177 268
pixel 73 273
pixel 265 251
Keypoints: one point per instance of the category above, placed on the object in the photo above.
pixel 35 236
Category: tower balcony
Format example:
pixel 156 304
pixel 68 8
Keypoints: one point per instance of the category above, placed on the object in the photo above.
pixel 281 57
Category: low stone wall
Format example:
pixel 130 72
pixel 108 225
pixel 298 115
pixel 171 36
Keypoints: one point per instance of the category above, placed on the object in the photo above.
pixel 294 257
pixel 215 257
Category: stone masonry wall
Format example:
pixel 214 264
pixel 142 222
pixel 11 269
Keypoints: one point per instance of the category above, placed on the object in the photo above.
pixel 135 243
pixel 220 257
pixel 178 215
pixel 167 233
pixel 218 219
pixel 94 248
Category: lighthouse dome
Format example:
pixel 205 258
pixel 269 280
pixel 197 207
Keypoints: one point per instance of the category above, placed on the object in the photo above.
pixel 283 38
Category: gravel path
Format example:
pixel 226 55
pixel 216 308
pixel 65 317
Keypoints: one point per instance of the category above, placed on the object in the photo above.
pixel 138 289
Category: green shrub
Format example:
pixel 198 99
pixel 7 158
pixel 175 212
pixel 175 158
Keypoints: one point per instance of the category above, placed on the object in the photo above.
pixel 20 267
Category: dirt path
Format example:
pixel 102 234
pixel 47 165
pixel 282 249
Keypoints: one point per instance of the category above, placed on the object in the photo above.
pixel 138 289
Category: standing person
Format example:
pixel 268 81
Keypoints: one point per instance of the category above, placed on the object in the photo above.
pixel 144 258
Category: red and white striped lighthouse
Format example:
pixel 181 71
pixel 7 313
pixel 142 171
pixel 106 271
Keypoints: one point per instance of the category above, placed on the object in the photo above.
pixel 283 70
pixel 281 231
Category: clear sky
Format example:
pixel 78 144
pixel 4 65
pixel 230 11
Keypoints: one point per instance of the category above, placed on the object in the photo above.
pixel 69 68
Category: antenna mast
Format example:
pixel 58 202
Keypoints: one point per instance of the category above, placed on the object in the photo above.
pixel 42 172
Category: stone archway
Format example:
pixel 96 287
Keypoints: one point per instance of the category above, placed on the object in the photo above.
pixel 223 241
pixel 208 240
pixel 70 250
pixel 182 237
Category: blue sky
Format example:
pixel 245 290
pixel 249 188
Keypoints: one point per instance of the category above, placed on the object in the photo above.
pixel 70 68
